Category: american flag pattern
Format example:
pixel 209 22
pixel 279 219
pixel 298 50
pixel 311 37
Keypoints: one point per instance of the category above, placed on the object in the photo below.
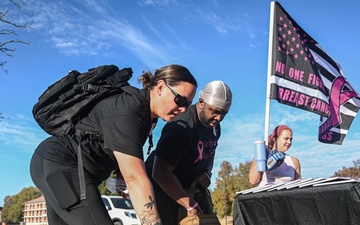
pixel 304 76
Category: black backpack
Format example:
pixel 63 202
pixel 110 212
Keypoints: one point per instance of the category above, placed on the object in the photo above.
pixel 69 99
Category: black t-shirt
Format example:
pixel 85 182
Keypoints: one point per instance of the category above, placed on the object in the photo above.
pixel 124 122
pixel 187 145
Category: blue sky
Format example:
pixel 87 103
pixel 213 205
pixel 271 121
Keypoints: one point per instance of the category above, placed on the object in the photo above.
pixel 216 40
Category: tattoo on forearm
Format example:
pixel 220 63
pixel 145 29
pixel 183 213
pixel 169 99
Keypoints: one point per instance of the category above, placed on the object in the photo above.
pixel 149 216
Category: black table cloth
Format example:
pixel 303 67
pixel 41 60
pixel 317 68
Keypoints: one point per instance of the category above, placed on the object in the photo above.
pixel 337 204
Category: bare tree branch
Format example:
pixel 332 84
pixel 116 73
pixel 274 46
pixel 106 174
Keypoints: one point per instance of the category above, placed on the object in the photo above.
pixel 4 46
pixel 9 22
pixel 6 50
pixel 18 3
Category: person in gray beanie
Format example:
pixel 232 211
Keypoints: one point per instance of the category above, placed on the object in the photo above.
pixel 180 166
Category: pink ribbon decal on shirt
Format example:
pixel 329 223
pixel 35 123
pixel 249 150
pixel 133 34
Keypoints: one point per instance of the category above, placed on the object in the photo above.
pixel 200 146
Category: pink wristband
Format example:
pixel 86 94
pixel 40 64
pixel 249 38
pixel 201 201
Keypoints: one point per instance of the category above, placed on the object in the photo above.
pixel 192 207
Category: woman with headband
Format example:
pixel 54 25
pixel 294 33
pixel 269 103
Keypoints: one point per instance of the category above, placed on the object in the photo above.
pixel 280 139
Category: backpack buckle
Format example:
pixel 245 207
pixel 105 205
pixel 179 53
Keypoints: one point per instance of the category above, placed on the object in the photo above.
pixel 88 88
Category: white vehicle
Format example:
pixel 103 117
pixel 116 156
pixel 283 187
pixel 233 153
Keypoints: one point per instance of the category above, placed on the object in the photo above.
pixel 121 210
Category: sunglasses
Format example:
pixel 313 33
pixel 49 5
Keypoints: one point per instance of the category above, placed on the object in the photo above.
pixel 181 101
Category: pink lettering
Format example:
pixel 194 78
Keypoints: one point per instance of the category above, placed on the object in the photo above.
pixel 296 74
pixel 313 103
pixel 328 136
pixel 325 126
pixel 293 96
pixel 315 80
pixel 280 67
pixel 319 105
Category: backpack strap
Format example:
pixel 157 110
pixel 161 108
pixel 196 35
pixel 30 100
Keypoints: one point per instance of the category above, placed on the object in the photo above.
pixel 133 91
pixel 138 97
pixel 153 125
pixel 81 173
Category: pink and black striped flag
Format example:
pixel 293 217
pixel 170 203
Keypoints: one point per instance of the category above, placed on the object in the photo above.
pixel 305 76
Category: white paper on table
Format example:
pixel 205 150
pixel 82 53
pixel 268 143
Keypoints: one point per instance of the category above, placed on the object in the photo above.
pixel 341 181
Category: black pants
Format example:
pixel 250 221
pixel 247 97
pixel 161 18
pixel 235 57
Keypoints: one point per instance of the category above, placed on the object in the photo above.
pixel 60 187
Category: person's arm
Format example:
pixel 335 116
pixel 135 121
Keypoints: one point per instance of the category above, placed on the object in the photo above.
pixel 164 176
pixel 140 188
pixel 297 168
pixel 254 175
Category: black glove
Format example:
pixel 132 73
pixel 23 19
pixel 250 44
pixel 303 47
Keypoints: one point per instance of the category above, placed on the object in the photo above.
pixel 274 159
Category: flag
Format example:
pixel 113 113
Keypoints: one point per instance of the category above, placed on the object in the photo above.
pixel 305 76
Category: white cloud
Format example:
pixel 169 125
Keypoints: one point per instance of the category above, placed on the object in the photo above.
pixel 18 132
pixel 156 2
pixel 84 29
pixel 89 27
pixel 191 12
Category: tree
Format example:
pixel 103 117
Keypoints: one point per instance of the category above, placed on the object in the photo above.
pixel 220 194
pixel 352 172
pixel 229 182
pixel 102 187
pixel 9 27
pixel 13 206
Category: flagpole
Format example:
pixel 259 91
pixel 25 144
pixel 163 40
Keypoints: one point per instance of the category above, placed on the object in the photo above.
pixel 270 52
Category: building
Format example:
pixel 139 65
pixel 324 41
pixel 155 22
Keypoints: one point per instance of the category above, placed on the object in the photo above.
pixel 35 212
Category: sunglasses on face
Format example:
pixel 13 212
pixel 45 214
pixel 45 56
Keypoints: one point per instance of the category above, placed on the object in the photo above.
pixel 180 101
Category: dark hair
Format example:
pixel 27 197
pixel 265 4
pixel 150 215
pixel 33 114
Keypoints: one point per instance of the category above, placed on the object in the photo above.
pixel 171 74
pixel 275 134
